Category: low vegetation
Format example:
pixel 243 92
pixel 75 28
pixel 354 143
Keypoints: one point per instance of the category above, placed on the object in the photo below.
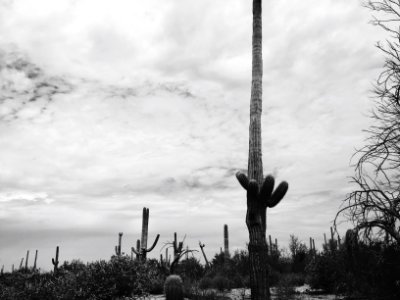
pixel 354 268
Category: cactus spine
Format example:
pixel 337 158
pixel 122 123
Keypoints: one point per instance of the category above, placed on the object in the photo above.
pixel 26 260
pixel 141 252
pixel 55 261
pixel 173 288
pixel 226 241
pixel 34 263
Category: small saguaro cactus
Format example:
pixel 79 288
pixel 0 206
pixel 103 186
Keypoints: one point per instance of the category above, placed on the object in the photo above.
pixel 2 270
pixel 12 268
pixel 142 252
pixel 204 254
pixel 173 288
pixel 35 261
pixel 55 261
pixel 226 241
pixel 26 260
pixel 119 247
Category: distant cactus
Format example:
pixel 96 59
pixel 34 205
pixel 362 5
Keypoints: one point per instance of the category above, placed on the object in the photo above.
pixel 178 252
pixel 2 270
pixel 34 263
pixel 26 260
pixel 55 261
pixel 118 248
pixel 173 288
pixel 21 264
pixel 226 241
pixel 142 252
pixel 178 247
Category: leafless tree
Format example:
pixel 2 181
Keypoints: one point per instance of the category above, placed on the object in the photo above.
pixel 374 207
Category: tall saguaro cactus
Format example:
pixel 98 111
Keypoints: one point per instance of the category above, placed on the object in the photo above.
pixel 260 191
pixel 142 252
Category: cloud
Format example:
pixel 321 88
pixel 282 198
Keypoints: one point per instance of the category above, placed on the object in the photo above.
pixel 107 107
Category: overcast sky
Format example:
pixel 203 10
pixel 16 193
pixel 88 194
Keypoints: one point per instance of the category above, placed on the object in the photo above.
pixel 110 106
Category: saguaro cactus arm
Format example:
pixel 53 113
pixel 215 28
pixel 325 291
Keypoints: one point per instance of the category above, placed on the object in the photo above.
pixel 259 199
pixel 154 244
pixel 134 251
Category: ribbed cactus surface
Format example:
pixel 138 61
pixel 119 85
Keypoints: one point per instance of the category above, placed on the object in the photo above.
pixel 173 288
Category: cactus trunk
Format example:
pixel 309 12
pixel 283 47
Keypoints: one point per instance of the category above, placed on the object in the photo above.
pixel 257 244
pixel 120 243
pixel 145 227
pixel 138 247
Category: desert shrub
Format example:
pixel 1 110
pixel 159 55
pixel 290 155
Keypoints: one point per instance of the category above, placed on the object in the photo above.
pixel 221 283
pixel 286 286
pixel 205 283
pixel 190 269
pixel 325 271
pixel 118 277
pixel 370 269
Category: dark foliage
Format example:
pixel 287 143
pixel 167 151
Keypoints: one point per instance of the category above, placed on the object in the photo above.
pixel 369 269
pixel 118 277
